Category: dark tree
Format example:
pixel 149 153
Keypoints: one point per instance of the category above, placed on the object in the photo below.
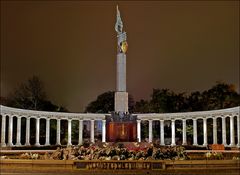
pixel 105 103
pixel 31 95
pixel 221 96
pixel 142 106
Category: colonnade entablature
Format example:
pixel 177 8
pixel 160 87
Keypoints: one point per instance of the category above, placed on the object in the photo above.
pixel 225 120
pixel 190 115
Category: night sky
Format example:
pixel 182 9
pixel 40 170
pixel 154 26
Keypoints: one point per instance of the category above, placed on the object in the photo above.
pixel 184 46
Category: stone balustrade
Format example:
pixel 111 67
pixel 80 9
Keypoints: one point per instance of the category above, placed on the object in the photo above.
pixel 223 114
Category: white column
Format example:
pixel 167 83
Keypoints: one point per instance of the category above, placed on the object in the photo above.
pixel 224 140
pixel 205 142
pixel 10 131
pixel 139 130
pixel 3 131
pixel 195 142
pixel 173 133
pixel 238 130
pixel 80 136
pixel 58 131
pixel 47 131
pixel 214 130
pixel 27 132
pixel 92 131
pixel 184 133
pixel 18 131
pixel 162 132
pixel 37 131
pixel 150 130
pixel 69 132
pixel 232 134
pixel 103 130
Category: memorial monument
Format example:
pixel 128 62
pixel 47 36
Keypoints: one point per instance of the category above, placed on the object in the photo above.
pixel 121 126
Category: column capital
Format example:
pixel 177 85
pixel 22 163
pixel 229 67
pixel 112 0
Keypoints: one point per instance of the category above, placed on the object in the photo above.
pixel 139 121
pixel 104 121
pixel 223 117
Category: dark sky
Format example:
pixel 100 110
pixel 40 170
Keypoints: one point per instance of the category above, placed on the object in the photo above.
pixel 71 46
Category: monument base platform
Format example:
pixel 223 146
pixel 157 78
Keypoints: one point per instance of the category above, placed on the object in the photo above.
pixel 121 132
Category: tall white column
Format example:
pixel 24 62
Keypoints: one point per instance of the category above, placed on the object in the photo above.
pixel 103 130
pixel 173 133
pixel 80 136
pixel 10 131
pixel 58 131
pixel 92 131
pixel 238 130
pixel 18 131
pixel 195 142
pixel 184 133
pixel 205 142
pixel 69 132
pixel 150 131
pixel 232 134
pixel 27 131
pixel 3 131
pixel 47 131
pixel 139 130
pixel 214 130
pixel 162 132
pixel 37 131
pixel 224 140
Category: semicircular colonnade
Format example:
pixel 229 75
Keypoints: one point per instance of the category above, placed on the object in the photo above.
pixel 228 131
